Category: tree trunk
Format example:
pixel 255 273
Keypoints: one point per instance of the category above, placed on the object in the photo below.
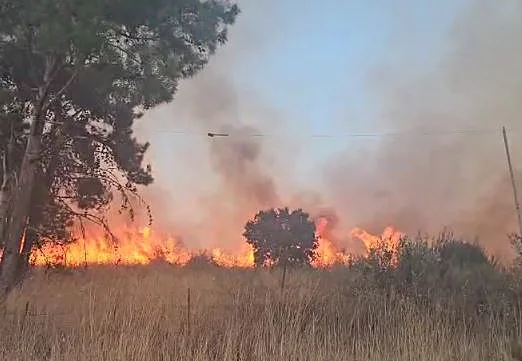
pixel 30 239
pixel 34 220
pixel 5 189
pixel 22 192
pixel 4 208
pixel 22 195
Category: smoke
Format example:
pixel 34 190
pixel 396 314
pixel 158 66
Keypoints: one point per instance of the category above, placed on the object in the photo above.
pixel 235 154
pixel 422 182
pixel 236 159
pixel 228 177
pixel 421 174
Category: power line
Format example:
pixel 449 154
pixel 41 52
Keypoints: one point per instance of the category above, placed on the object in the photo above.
pixel 415 133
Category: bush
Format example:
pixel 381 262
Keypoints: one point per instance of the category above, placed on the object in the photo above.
pixel 448 270
pixel 201 260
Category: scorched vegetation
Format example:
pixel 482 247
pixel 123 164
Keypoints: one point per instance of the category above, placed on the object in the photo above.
pixel 445 301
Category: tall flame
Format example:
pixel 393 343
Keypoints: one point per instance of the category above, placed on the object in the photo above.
pixel 327 254
pixel 388 242
pixel 143 246
pixel 132 248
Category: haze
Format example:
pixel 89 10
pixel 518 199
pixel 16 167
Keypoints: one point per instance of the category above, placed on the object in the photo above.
pixel 428 85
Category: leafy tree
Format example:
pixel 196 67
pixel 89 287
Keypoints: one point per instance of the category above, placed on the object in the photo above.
pixel 80 172
pixel 279 236
pixel 81 72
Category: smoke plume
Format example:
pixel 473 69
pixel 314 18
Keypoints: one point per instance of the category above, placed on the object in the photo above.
pixel 430 175
pixel 438 160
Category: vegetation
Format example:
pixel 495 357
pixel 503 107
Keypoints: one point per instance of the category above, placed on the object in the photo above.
pixel 81 72
pixel 281 237
pixel 428 307
pixel 74 76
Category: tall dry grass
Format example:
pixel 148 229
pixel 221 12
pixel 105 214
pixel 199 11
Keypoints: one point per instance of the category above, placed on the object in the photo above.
pixel 341 314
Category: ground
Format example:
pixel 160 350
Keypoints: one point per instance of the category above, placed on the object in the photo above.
pixel 160 312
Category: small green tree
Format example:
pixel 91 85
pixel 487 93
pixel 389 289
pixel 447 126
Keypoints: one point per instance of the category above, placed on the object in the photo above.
pixel 280 236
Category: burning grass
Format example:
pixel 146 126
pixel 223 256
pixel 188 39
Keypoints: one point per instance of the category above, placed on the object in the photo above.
pixel 426 308
pixel 133 246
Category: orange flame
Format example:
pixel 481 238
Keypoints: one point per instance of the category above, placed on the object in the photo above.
pixel 133 248
pixel 389 241
pixel 327 254
pixel 145 246
pixel 244 260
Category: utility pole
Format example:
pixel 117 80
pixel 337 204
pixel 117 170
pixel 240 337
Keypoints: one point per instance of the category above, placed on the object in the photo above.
pixel 513 183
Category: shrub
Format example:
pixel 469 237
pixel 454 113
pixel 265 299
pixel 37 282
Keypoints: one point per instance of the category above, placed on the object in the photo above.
pixel 444 271
pixel 200 260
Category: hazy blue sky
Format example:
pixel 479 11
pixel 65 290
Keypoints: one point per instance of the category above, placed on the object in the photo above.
pixel 311 61
pixel 294 68
pixel 319 61
pixel 323 52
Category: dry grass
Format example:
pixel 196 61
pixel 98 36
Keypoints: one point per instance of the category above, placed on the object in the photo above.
pixel 141 314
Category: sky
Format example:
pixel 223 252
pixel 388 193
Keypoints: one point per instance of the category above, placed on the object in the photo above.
pixel 295 69
pixel 316 68
pixel 310 61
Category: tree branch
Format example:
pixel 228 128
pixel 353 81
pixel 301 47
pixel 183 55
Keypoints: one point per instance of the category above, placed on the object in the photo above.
pixel 64 88
pixel 130 36
pixel 128 53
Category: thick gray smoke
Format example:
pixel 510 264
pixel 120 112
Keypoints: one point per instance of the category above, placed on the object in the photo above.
pixel 416 180
pixel 424 182
pixel 245 182
pixel 228 176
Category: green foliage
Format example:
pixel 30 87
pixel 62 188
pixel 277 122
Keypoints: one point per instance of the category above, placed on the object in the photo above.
pixel 135 50
pixel 448 270
pixel 89 69
pixel 280 237
pixel 457 254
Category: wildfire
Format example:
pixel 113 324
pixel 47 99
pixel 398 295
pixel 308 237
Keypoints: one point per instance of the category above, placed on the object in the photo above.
pixel 141 247
pixel 244 260
pixel 132 248
pixel 389 240
pixel 327 254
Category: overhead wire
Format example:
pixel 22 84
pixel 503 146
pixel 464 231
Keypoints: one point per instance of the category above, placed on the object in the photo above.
pixel 222 134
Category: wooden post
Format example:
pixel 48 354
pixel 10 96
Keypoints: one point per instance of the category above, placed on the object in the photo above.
pixel 513 183
pixel 84 252
pixel 283 278
pixel 188 312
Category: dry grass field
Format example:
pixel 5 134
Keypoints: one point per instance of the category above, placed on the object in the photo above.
pixel 144 313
